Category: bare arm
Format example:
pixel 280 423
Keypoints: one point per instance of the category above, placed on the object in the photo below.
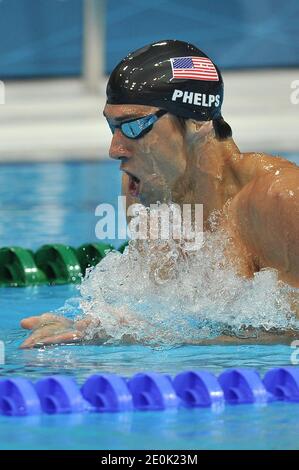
pixel 265 219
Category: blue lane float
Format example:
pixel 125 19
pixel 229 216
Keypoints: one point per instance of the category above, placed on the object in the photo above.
pixel 147 391
pixel 18 397
pixel 283 383
pixel 152 391
pixel 107 392
pixel 242 385
pixel 198 388
pixel 60 394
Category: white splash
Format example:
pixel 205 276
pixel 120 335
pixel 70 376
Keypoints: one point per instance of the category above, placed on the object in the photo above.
pixel 160 295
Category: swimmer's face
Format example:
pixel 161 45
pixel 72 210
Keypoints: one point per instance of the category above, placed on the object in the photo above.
pixel 153 164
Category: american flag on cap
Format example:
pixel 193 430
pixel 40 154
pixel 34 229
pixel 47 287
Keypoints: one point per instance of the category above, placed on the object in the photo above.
pixel 195 68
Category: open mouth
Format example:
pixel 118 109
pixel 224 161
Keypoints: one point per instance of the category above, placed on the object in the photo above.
pixel 134 184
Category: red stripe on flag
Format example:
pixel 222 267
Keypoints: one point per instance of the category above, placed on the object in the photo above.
pixel 203 69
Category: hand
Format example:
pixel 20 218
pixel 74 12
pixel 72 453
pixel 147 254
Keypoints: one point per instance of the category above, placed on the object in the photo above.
pixel 48 329
pixel 53 329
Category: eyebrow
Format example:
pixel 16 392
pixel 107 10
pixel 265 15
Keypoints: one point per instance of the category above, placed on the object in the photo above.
pixel 125 117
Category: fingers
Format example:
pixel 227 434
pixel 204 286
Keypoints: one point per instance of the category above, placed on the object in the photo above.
pixel 34 322
pixel 54 329
pixel 70 337
pixel 31 323
pixel 67 338
pixel 28 343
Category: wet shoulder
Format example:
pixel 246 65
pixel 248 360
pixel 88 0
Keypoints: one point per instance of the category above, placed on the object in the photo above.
pixel 265 163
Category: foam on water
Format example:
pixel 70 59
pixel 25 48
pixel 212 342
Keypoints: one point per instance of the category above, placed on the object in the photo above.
pixel 157 294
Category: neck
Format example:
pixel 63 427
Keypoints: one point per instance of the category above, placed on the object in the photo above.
pixel 209 178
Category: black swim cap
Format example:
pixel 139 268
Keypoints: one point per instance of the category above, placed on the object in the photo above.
pixel 172 75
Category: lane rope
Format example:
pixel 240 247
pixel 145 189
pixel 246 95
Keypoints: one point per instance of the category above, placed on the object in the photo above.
pixel 147 391
pixel 53 264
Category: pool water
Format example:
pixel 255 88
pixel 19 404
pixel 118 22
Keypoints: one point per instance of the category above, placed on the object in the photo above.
pixel 46 203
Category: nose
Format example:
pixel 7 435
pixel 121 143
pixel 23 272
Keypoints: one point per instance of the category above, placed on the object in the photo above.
pixel 120 146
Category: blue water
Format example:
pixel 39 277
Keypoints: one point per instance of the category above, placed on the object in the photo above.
pixel 44 203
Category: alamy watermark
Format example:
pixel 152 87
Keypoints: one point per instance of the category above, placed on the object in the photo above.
pixel 2 353
pixel 158 222
pixel 295 354
pixel 2 93
pixel 294 96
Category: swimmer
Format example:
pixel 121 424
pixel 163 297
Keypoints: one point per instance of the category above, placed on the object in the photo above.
pixel 168 133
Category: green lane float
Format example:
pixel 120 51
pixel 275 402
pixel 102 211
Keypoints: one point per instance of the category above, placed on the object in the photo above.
pixel 18 268
pixel 91 254
pixel 53 264
pixel 60 263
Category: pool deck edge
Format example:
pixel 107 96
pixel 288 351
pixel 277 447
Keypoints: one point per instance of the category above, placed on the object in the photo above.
pixel 58 120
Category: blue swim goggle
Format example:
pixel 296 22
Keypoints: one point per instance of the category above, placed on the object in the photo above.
pixel 136 128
